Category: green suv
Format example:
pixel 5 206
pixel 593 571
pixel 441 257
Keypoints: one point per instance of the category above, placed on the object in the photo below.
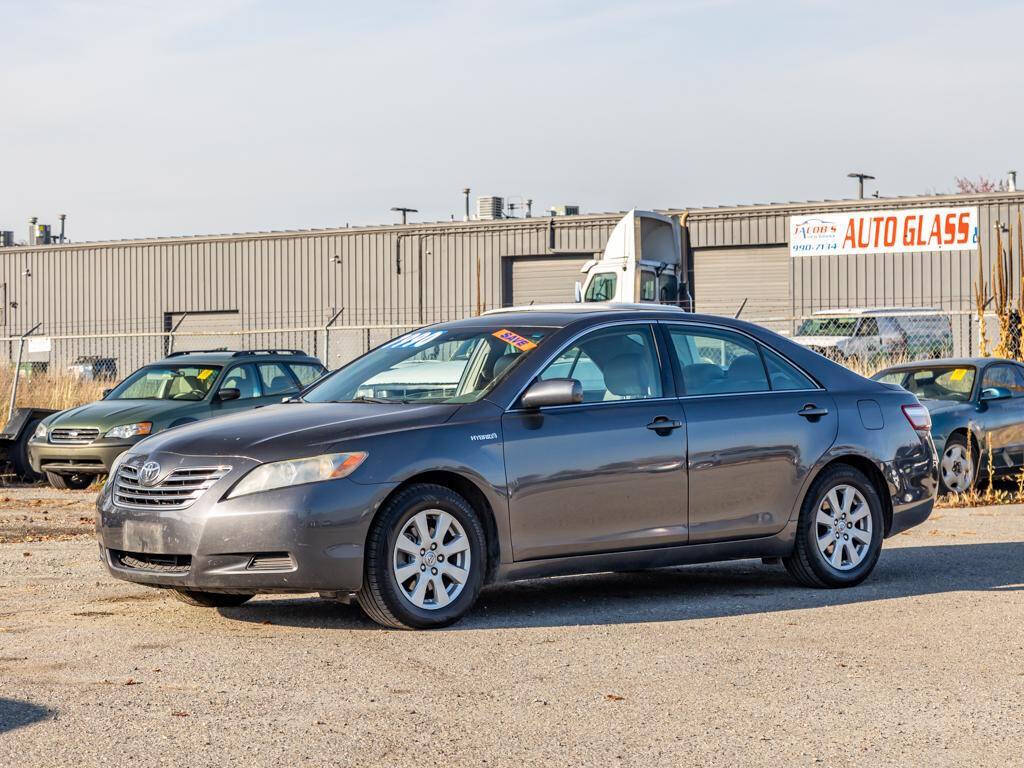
pixel 72 447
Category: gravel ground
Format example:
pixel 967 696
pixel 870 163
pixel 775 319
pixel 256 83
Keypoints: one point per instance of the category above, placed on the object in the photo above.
pixel 728 664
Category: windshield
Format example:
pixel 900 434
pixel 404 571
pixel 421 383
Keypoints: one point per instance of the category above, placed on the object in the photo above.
pixel 431 365
pixel 827 326
pixel 939 383
pixel 167 382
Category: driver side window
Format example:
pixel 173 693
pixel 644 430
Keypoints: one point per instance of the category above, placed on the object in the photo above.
pixel 1005 376
pixel 242 378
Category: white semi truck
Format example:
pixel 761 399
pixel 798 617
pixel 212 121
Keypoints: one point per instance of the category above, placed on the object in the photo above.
pixel 642 262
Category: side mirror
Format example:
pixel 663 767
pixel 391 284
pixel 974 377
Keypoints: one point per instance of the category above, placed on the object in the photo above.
pixel 579 292
pixel 995 393
pixel 553 392
pixel 228 393
pixel 107 391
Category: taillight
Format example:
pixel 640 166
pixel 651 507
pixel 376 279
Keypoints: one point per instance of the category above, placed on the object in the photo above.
pixel 918 417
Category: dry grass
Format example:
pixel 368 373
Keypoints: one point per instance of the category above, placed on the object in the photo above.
pixel 51 391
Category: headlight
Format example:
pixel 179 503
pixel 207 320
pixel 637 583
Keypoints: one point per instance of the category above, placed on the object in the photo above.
pixel 40 433
pixel 131 430
pixel 280 474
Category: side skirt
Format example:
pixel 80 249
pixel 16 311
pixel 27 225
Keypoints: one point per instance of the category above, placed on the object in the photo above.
pixel 779 545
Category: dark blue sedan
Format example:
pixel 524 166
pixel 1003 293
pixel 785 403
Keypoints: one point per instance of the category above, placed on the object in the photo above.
pixel 977 409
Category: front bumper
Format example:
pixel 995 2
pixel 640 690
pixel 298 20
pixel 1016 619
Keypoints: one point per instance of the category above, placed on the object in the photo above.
pixel 94 458
pixel 306 538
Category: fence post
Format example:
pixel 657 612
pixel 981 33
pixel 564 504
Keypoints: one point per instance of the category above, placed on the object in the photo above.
pixel 17 370
pixel 327 338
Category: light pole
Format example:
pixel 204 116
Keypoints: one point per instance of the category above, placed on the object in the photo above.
pixel 860 181
pixel 404 211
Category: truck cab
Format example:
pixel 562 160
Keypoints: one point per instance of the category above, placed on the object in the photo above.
pixel 641 263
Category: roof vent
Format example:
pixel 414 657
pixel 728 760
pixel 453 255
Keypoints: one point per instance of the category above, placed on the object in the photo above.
pixel 490 207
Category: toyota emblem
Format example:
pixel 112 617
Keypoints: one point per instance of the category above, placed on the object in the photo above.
pixel 149 473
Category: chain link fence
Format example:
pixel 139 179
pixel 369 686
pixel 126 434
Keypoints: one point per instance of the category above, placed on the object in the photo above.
pixel 867 340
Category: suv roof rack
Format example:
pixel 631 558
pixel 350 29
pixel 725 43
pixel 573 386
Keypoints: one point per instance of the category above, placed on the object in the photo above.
pixel 179 353
pixel 244 352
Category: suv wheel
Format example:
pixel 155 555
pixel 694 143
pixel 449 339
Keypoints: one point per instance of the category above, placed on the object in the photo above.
pixel 425 560
pixel 74 482
pixel 839 535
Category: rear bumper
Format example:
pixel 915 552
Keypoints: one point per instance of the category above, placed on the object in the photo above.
pixel 913 479
pixel 303 539
pixel 910 515
pixel 92 459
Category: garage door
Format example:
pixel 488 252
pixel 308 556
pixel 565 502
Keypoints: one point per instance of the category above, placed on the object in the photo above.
pixel 543 279
pixel 724 277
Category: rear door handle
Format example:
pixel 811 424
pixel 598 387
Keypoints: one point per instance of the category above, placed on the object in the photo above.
pixel 811 412
pixel 663 425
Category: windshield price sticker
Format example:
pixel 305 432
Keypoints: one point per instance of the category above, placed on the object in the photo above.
pixel 204 374
pixel 517 341
pixel 958 374
pixel 419 339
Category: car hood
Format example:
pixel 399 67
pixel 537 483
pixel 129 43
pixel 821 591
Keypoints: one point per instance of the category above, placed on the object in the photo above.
pixel 818 341
pixel 937 407
pixel 291 430
pixel 107 414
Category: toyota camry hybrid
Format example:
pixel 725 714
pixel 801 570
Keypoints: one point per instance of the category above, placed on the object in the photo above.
pixel 570 439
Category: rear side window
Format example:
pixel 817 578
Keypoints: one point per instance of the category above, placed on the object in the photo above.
pixel 784 375
pixel 275 379
pixel 714 362
pixel 306 373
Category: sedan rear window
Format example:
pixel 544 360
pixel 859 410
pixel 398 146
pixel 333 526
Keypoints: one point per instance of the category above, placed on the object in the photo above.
pixel 431 365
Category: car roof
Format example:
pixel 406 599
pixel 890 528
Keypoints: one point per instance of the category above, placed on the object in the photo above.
pixel 561 315
pixel 853 311
pixel 226 356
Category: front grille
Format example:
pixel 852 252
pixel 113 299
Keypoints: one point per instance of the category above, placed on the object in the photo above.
pixel 65 436
pixel 179 490
pixel 139 561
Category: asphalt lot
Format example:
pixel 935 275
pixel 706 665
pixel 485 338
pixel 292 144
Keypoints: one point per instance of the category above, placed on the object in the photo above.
pixel 730 664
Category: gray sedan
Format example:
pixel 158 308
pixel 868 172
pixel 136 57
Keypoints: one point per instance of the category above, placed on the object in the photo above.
pixel 571 440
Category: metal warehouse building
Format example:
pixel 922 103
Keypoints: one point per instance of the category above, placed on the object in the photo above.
pixel 133 300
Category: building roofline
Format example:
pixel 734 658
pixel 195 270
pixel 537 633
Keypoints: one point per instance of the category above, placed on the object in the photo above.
pixel 867 203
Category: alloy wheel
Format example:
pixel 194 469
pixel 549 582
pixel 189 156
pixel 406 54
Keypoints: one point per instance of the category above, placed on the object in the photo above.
pixel 957 468
pixel 843 527
pixel 431 559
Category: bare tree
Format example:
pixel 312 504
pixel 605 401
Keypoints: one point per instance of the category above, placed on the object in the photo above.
pixel 980 184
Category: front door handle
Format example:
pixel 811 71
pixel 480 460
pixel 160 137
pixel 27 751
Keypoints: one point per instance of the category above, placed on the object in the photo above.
pixel 811 412
pixel 664 425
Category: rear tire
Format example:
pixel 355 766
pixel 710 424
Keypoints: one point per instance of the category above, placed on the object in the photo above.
pixel 839 534
pixel 435 593
pixel 74 482
pixel 210 599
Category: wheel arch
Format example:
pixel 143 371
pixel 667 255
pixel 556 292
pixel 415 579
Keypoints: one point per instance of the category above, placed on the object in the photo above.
pixel 871 470
pixel 472 493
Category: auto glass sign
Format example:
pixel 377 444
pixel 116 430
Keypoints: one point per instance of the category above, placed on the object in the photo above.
pixel 906 231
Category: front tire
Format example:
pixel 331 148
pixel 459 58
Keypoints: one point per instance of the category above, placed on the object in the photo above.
pixel 210 599
pixel 426 555
pixel 839 534
pixel 958 466
pixel 74 482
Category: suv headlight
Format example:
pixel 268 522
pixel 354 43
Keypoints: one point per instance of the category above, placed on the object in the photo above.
pixel 41 432
pixel 279 474
pixel 131 430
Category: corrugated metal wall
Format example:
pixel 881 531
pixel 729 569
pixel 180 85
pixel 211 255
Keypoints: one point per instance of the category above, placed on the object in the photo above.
pixel 942 279
pixel 410 275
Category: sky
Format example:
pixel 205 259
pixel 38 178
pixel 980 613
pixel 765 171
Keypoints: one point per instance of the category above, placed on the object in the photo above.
pixel 140 118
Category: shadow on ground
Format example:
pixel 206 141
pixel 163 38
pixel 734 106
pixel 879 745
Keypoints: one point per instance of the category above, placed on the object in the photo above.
pixel 15 714
pixel 690 592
